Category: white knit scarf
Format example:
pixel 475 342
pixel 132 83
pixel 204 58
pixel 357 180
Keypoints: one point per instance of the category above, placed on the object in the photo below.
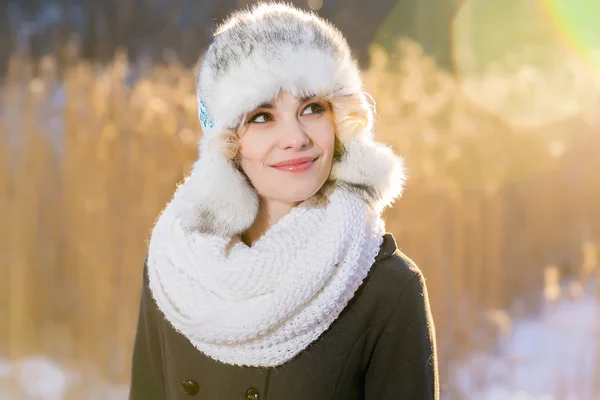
pixel 262 305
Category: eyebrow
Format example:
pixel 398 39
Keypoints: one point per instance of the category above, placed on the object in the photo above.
pixel 300 101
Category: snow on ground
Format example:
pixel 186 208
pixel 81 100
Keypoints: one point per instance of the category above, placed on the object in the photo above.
pixel 555 356
pixel 38 378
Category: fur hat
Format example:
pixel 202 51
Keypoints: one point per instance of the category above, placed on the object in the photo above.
pixel 254 55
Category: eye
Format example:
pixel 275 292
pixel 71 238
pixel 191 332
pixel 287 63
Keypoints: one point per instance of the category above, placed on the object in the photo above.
pixel 317 108
pixel 265 116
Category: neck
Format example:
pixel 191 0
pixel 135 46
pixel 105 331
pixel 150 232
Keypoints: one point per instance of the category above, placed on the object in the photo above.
pixel 269 212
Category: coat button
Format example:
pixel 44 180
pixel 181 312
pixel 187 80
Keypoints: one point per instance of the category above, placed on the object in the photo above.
pixel 252 394
pixel 190 387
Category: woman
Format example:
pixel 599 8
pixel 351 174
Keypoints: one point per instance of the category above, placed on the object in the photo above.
pixel 270 274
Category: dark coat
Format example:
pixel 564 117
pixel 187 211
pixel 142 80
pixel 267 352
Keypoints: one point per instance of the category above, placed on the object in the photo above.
pixel 381 347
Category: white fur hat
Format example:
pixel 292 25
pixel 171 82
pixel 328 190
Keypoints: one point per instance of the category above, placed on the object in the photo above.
pixel 256 53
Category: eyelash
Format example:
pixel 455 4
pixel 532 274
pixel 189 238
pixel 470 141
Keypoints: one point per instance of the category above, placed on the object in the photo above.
pixel 319 108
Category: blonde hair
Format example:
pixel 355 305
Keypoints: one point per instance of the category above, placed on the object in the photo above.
pixel 351 115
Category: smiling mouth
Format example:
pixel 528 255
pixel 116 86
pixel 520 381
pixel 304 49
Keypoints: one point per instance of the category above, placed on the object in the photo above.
pixel 296 165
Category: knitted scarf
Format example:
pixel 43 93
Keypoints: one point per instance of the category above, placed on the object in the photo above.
pixel 262 305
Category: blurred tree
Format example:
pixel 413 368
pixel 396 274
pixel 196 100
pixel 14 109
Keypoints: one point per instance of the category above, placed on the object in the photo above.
pixel 359 20
pixel 427 22
pixel 144 26
pixel 149 27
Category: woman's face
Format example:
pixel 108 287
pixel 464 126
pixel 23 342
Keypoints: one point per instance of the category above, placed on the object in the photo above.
pixel 286 148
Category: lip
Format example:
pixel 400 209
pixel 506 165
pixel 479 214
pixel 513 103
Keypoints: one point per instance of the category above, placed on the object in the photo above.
pixel 295 165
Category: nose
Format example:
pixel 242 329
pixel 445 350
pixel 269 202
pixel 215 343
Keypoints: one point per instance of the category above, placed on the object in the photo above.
pixel 293 135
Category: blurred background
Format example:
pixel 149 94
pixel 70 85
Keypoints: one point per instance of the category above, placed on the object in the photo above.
pixel 494 104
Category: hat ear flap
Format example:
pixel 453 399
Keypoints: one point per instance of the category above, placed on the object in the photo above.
pixel 372 170
pixel 216 198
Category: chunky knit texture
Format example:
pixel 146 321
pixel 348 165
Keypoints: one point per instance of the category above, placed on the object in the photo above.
pixel 262 305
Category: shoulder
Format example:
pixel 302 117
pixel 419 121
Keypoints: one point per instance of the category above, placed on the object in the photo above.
pixel 393 270
pixel 398 266
pixel 393 274
pixel 392 264
pixel 393 280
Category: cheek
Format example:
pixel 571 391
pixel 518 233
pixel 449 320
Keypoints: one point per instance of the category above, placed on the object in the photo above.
pixel 253 150
pixel 325 139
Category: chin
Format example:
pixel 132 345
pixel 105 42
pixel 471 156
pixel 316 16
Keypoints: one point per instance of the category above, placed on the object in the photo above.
pixel 294 192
